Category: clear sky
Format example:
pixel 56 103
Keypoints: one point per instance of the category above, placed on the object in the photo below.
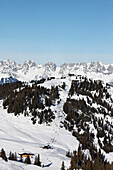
pixel 56 30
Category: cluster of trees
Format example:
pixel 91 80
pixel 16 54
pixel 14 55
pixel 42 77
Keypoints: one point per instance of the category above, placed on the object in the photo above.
pixel 28 160
pixel 6 89
pixel 37 160
pixel 30 98
pixel 104 127
pixel 81 112
pixel 13 157
pixel 81 161
pixel 46 116
pixel 85 87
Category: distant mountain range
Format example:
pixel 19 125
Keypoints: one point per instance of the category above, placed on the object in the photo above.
pixel 29 70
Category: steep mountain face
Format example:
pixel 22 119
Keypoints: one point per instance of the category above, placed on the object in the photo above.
pixel 29 70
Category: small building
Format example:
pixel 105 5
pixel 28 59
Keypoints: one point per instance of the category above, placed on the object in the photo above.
pixel 25 154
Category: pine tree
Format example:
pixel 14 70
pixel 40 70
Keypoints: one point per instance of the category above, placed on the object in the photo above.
pixel 88 166
pixel 3 155
pixel 37 160
pixel 39 163
pixel 63 167
pixel 73 163
pixel 15 157
pixel 10 155
pixel 27 160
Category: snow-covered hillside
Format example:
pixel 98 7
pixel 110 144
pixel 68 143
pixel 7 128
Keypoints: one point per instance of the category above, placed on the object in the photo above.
pixel 60 112
pixel 29 70
pixel 18 134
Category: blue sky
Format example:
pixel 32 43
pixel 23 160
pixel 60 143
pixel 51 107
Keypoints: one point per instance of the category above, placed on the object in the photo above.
pixel 56 30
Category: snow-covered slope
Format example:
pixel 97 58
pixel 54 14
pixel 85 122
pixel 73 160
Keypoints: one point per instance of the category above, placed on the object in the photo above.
pixel 29 70
pixel 18 134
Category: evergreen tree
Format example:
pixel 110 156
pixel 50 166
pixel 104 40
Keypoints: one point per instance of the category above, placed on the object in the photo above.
pixel 15 156
pixel 3 155
pixel 37 160
pixel 27 160
pixel 88 166
pixel 39 163
pixel 10 155
pixel 63 167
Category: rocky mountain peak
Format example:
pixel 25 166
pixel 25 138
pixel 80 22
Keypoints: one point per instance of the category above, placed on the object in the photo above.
pixel 29 70
pixel 51 66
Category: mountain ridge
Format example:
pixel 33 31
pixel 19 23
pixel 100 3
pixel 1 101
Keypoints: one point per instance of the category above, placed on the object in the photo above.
pixel 29 70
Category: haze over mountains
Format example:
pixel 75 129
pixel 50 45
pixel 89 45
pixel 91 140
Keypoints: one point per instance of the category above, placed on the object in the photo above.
pixel 29 70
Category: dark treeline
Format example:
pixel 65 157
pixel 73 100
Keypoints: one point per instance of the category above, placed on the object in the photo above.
pixel 20 97
pixel 81 112
pixel 8 88
pixel 81 161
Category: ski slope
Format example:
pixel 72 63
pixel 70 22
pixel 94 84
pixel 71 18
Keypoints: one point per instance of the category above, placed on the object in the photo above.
pixel 18 134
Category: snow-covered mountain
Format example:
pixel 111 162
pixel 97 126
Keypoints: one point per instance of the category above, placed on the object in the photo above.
pixel 29 70
pixel 53 116
pixel 19 134
pixel 34 116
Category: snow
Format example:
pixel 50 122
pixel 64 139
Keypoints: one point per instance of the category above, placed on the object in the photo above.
pixel 12 165
pixel 18 134
pixel 29 70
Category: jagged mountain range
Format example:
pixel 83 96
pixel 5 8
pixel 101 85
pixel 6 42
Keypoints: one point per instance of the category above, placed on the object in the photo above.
pixel 29 70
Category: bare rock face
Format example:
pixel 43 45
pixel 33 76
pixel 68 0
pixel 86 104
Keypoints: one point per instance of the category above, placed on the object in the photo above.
pixel 110 68
pixel 50 66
